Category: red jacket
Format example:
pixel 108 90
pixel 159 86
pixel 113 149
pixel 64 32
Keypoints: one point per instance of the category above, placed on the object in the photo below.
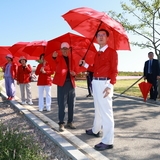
pixel 62 70
pixel 13 70
pixel 23 74
pixel 105 65
pixel 44 78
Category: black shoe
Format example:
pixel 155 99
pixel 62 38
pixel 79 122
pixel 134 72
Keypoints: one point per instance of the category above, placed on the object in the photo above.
pixel 89 95
pixel 101 146
pixel 90 132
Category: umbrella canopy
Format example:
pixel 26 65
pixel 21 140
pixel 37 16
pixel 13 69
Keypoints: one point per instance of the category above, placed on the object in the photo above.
pixel 145 88
pixel 17 50
pixel 4 50
pixel 78 44
pixel 35 48
pixel 87 21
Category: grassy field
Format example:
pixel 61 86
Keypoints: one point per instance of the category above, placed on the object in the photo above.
pixel 120 87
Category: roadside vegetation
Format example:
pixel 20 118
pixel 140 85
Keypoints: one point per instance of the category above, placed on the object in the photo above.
pixel 17 145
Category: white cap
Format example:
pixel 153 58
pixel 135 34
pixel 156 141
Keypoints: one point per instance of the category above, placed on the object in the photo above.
pixel 65 45
pixel 9 56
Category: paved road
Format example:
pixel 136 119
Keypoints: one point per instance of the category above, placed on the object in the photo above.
pixel 137 129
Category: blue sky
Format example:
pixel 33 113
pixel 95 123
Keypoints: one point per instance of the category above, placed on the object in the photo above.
pixel 30 20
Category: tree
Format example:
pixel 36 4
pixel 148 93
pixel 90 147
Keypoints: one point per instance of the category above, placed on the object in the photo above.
pixel 142 18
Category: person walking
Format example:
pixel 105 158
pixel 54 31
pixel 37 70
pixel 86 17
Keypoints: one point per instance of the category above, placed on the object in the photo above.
pixel 65 80
pixel 104 78
pixel 44 83
pixel 89 83
pixel 10 73
pixel 151 73
pixel 23 80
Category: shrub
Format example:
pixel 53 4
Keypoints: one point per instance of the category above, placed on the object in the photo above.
pixel 16 145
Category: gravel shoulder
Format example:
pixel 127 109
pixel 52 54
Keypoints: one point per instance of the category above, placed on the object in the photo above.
pixel 10 116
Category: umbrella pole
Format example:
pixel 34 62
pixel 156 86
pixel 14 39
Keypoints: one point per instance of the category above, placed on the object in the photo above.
pixel 91 42
pixel 128 88
pixel 71 58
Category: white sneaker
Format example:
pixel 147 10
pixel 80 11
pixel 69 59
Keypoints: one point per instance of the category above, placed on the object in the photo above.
pixel 30 103
pixel 40 110
pixel 23 103
pixel 48 109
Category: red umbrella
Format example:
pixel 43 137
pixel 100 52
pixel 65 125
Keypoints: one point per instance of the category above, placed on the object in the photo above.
pixel 79 47
pixel 17 50
pixel 4 50
pixel 145 88
pixel 87 21
pixel 35 48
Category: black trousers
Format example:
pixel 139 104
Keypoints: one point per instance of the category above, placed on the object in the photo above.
pixel 89 82
pixel 153 90
pixel 66 98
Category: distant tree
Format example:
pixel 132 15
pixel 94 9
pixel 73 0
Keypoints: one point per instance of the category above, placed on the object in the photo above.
pixel 142 18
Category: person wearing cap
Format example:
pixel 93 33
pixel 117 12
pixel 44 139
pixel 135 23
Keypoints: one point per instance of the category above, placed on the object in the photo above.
pixel 104 77
pixel 10 72
pixel 65 80
pixel 23 80
pixel 44 83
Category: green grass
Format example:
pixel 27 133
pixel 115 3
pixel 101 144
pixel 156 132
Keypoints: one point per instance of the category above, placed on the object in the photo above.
pixel 120 87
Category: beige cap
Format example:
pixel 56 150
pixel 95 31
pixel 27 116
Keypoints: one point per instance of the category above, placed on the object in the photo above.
pixel 22 58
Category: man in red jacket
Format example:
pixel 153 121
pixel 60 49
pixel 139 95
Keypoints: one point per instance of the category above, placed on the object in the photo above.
pixel 64 79
pixel 23 80
pixel 104 77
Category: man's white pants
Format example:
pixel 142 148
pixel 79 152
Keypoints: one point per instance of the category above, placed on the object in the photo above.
pixel 103 111
pixel 41 97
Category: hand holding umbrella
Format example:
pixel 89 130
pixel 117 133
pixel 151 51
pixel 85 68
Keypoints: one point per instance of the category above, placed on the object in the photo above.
pixel 55 54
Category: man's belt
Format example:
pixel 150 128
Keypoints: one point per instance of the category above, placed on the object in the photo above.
pixel 101 78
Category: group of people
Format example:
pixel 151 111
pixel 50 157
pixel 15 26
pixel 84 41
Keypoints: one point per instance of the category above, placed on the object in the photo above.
pixel 102 75
pixel 104 72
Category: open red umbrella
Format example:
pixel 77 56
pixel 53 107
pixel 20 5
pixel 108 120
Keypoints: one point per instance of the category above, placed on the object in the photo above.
pixel 145 88
pixel 35 48
pixel 79 47
pixel 87 21
pixel 4 50
pixel 17 50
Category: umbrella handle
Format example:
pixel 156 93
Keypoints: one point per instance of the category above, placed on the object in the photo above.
pixel 92 41
pixel 71 58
